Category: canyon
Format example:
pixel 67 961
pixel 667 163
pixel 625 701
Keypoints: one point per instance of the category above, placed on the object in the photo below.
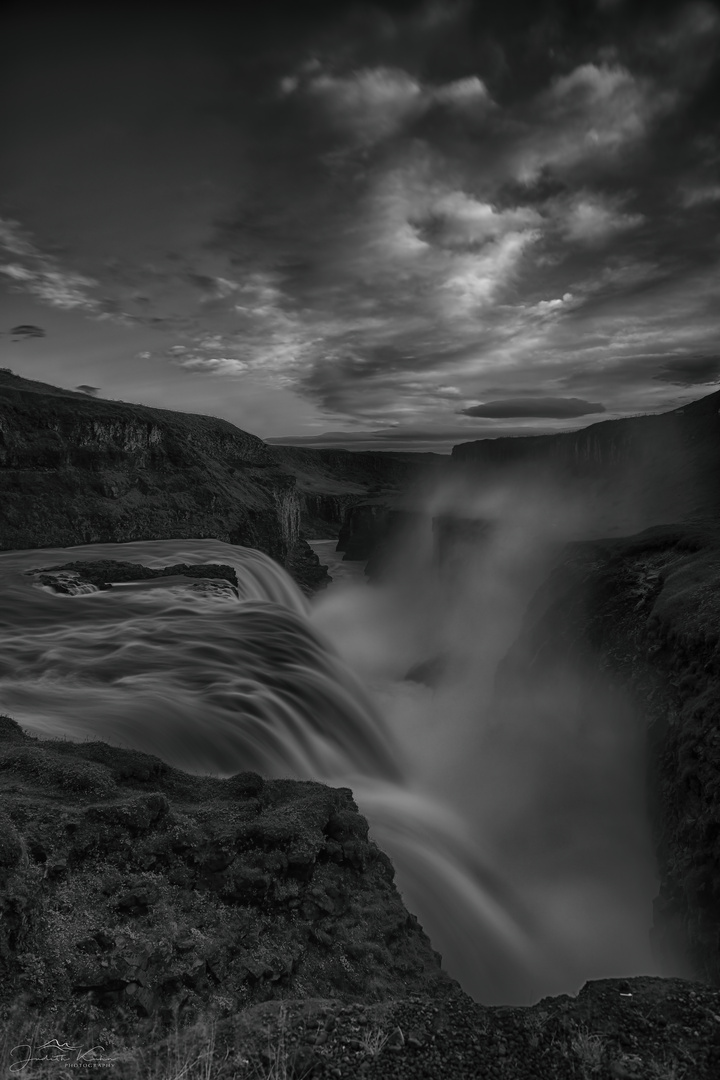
pixel 79 470
pixel 631 599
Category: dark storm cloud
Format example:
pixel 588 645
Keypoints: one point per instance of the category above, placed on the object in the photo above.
pixel 555 408
pixel 387 208
pixel 690 371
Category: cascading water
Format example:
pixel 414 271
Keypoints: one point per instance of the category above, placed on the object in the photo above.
pixel 211 681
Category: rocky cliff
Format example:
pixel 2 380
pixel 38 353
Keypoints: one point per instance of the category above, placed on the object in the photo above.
pixel 336 486
pixel 130 885
pixel 645 610
pixel 162 924
pixel 76 470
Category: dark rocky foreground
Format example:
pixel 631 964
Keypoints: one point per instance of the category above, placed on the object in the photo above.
pixel 253 923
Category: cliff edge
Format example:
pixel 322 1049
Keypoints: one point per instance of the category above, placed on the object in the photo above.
pixel 79 470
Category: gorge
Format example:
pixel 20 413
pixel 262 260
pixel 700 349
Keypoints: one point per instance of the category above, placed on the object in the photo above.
pixel 489 701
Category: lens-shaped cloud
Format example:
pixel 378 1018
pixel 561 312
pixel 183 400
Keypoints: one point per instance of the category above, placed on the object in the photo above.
pixel 25 331
pixel 551 407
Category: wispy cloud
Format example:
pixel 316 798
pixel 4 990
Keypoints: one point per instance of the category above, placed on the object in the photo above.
pixel 590 217
pixel 41 275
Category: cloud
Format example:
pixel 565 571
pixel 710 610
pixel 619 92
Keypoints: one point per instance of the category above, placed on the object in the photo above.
pixel 374 103
pixel 586 116
pixel 555 408
pixel 25 331
pixel 438 13
pixel 700 195
pixel 468 92
pixel 41 275
pixel 92 391
pixel 389 213
pixel 690 370
pixel 475 279
pixel 458 221
pixel 552 308
pixel 689 35
pixel 589 217
pixel 371 104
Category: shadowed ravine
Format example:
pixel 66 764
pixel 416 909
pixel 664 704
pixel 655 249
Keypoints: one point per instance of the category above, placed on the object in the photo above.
pixel 214 682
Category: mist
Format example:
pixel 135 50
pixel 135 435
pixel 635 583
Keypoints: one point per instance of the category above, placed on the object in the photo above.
pixel 545 780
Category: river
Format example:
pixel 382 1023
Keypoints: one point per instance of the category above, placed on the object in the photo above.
pixel 217 682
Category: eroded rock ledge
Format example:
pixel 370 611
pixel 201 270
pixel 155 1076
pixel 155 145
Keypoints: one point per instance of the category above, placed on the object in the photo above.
pixel 132 886
pixel 252 921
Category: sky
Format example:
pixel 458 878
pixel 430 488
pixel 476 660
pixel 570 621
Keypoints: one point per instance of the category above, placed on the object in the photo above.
pixel 395 225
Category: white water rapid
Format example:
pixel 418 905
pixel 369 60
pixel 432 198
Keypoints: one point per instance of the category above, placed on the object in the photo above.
pixel 529 866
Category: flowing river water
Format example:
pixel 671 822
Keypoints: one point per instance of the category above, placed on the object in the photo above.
pixel 528 865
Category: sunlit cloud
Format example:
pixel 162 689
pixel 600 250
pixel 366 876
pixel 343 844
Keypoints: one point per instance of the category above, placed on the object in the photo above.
pixel 591 113
pixel 590 218
pixel 373 104
pixel 41 275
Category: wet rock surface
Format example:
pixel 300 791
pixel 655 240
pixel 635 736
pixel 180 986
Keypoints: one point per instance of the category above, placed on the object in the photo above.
pixel 104 573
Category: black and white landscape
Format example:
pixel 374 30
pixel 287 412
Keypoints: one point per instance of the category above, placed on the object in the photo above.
pixel 360 541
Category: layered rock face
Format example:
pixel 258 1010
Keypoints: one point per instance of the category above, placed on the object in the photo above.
pixel 77 470
pixel 339 490
pixel 646 611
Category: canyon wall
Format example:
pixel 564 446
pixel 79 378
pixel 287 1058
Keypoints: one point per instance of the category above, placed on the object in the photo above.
pixel 78 470
pixel 664 466
pixel 645 611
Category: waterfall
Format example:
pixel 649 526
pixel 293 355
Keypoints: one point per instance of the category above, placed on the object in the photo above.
pixel 288 506
pixel 224 680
